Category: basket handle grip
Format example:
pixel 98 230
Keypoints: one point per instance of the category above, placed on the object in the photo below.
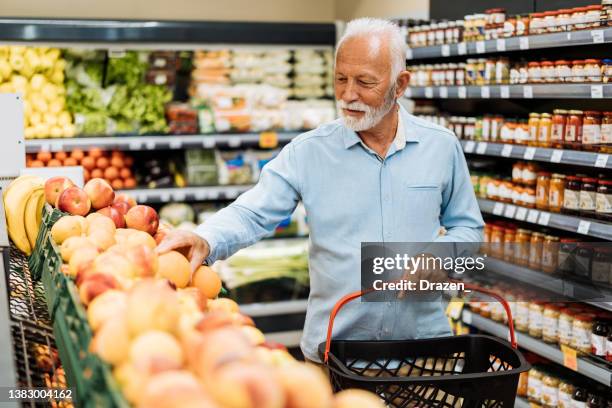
pixel 352 296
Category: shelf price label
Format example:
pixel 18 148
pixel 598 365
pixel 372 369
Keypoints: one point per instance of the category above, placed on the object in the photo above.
pixel 510 211
pixel 462 92
pixel 597 36
pixel 507 150
pixel 135 145
pixel 521 214
pixel 583 227
pixel 532 216
pixel 469 146
pixel 498 209
pixel 524 43
pixel 556 156
pixel 429 92
pixel 208 142
pixel 570 357
pixel 200 195
pixel 150 145
pixel 408 53
pixel 544 218
pixel 176 144
pixel 596 91
pixel 234 141
pixel 529 153
pixel 601 160
pixel 462 48
pixel 527 92
pixel 179 196
pixel 504 90
pixel 165 197
pixel 445 50
pixel 501 44
pixel 57 147
pixel 443 92
pixel 480 47
pixel 485 92
pixel 268 140
pixel 482 148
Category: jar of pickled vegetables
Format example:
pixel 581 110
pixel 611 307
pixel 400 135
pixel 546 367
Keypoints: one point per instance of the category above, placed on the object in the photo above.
pixel 555 192
pixel 545 130
pixel 542 190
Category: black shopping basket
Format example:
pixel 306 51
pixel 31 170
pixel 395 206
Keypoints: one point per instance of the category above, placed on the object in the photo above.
pixel 457 371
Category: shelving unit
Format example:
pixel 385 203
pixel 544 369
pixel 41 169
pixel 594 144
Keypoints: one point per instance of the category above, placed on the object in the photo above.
pixel 187 194
pixel 587 227
pixel 586 367
pixel 528 42
pixel 521 403
pixel 526 91
pixel 575 157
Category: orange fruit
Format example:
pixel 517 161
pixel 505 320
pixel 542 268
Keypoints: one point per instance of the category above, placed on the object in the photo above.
pixel 70 161
pixel 95 152
pixel 129 183
pixel 88 162
pixel 207 281
pixel 117 184
pixel 78 154
pixel 37 163
pixel 102 163
pixel 117 162
pixel 43 156
pixel 54 163
pixel 111 173
pixel 97 173
pixel 125 173
pixel 61 156
pixel 174 267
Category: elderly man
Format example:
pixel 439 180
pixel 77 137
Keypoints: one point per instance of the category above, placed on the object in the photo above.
pixel 376 174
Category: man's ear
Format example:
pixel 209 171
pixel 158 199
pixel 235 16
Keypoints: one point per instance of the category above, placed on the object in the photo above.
pixel 403 80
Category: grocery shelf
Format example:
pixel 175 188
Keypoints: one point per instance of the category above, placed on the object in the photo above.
pixel 575 157
pixel 527 91
pixel 161 142
pixel 287 338
pixel 585 367
pixel 274 308
pixel 528 42
pixel 596 296
pixel 588 227
pixel 521 403
pixel 178 194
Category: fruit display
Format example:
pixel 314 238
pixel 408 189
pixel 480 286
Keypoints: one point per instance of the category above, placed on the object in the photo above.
pixel 37 73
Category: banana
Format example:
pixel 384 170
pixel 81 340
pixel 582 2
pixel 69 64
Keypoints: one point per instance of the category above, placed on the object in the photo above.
pixel 15 201
pixel 33 207
pixel 18 180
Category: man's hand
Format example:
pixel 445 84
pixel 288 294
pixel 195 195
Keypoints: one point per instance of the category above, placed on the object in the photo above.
pixel 194 247
pixel 427 271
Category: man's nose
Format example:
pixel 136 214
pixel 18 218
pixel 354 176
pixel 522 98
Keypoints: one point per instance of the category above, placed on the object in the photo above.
pixel 349 93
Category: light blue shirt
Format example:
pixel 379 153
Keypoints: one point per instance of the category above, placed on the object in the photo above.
pixel 351 195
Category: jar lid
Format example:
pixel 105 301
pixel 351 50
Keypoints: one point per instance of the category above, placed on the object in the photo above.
pixel 534 114
pixel 577 62
pixel 552 306
pixel 591 61
pixel 561 62
pixel 594 7
pixel 533 64
pixel 575 112
pixel 551 238
pixel 549 13
pixel 546 115
pixel 565 11
pixel 498 227
pixel 537 234
pixel 536 15
pixel 560 112
pixel 509 230
pixel 592 113
pixel 579 9
pixel 543 174
pixel 568 240
pixel 607 113
pixel 523 231
pixel 589 180
pixel 546 63
pixel 569 311
pixel 585 317
pixel 605 182
pixel 559 176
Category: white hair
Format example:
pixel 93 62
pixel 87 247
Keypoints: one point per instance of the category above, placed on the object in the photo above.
pixel 377 29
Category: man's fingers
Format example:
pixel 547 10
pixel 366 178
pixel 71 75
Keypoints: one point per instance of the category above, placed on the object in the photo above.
pixel 197 259
pixel 171 242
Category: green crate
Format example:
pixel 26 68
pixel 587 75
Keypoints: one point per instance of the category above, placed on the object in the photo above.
pixel 37 259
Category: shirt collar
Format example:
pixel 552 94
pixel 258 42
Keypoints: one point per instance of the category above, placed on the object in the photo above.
pixel 405 133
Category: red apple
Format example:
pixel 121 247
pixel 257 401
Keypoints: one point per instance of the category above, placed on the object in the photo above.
pixel 55 186
pixel 99 192
pixel 123 197
pixel 114 214
pixel 74 201
pixel 122 206
pixel 143 218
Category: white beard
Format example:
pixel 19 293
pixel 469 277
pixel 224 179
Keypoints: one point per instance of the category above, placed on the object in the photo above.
pixel 371 116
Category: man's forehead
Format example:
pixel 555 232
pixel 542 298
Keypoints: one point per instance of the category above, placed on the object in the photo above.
pixel 357 52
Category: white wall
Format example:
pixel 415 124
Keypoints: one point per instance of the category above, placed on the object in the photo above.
pixel 350 9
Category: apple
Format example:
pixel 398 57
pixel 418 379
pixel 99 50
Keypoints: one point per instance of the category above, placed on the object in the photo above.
pixel 55 186
pixel 143 218
pixel 121 206
pixel 75 201
pixel 144 260
pixel 99 192
pixel 114 214
pixel 126 198
pixel 95 284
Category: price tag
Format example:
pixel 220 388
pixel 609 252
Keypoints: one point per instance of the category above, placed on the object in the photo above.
pixel 498 209
pixel 234 142
pixel 208 142
pixel 176 144
pixel 467 317
pixel 443 92
pixel 116 53
pixel 480 47
pixel 135 145
pixel 469 146
pixel 507 150
pixel 482 148
pixel 408 93
pixel 510 211
pixel 556 156
pixel 150 145
pixel 570 359
pixel 268 140
pixel 44 147
pixel 140 198
pixel 462 48
pixel 527 92
pixel 529 153
pixel 521 214
pixel 200 195
pixel 596 91
pixel 583 227
pixel 165 197
pixel 454 308
pixel 501 44
pixel 408 53
pixel 57 147
pixel 462 92
pixel 524 43
pixel 532 216
pixel 445 50
pixel 504 90
pixel 598 36
pixel 429 92
pixel 601 161
pixel 485 92
pixel 179 197
pixel 544 218
pixel 213 194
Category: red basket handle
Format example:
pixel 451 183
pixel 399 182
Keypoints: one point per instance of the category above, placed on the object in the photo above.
pixel 352 296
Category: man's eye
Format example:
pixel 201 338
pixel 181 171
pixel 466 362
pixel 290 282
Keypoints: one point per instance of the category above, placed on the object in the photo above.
pixel 365 83
pixel 341 79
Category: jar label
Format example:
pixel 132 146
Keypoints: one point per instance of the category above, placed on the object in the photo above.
pixel 581 338
pixel 517 175
pixel 606 133
pixel 604 203
pixel 534 388
pixel 570 133
pixel 598 344
pixel 591 134
pixel 544 133
pixel 547 257
pixel 587 200
pixel 533 133
pixel 554 198
pixel 571 199
pixel 565 331
pixel 565 399
pixel 549 395
pixel 535 321
pixel 557 133
pixel 541 193
pixel 549 327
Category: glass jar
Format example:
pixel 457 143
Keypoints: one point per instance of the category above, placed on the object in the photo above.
pixel 592 70
pixel 549 73
pixel 522 132
pixel 542 190
pixel 469 128
pixel 565 324
pixel 523 74
pixel 609 348
pixel 558 128
pixel 578 18
pixel 460 74
pixel 555 192
pixel 534 72
pixel 489 72
pixel 505 191
pixel 497 240
pixel 530 174
pixel 601 271
pixel 431 34
pixel 517 196
pixel 588 195
pixel 480 71
pixel 509 238
pixel 564 19
pixel 448 32
pixel 579 398
pixel 573 130
pixel 581 332
pixel 545 130
pixel 606 133
pixel 493 189
pixel 591 130
pixel 496 124
pixel 506 133
pixel 603 200
pixel 535 250
pixel 571 195
pixel 599 334
pixel 563 71
pixel 486 232
pixel 596 401
pixel 550 390
pixel 521 248
pixel 536 23
pixel 510 27
pixel 550 254
pixel 517 172
pixel 566 262
pixel 523 24
pixel 550 323
pixel 529 197
pixel 566 390
pixel 578 73
pixel 549 22
pixel 521 317
pixel 592 16
pixel 534 128
pixel 440 33
pixel 502 71
pixel 534 385
pixel 606 70
pixel 449 74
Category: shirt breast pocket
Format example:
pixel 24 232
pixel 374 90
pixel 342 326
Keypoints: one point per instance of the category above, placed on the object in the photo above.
pixel 423 203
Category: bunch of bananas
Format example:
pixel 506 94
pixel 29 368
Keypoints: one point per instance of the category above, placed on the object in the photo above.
pixel 24 200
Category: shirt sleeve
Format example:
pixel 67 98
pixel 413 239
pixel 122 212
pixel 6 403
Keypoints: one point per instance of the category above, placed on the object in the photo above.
pixel 256 213
pixel 460 212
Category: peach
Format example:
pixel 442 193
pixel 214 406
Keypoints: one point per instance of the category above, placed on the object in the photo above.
pixel 126 198
pixel 108 305
pixel 103 239
pixel 125 173
pixel 155 351
pixel 218 346
pixel 137 237
pixel 99 192
pixel 305 386
pixel 56 186
pixel 173 389
pixel 82 260
pixel 152 306
pixel 112 341
pixel 205 279
pixel 95 152
pixel 75 201
pixel 131 381
pixel 95 284
pixel 122 207
pixel 113 264
pixel 61 156
pixel 143 218
pixel 129 182
pixel 65 228
pixel 223 304
pixel 116 161
pixel 214 320
pixel 255 336
pixel 197 298
pixel 174 267
pixel 73 244
pixel 97 222
pixel 114 214
pixel 356 398
pixel 144 260
pixel 44 156
pixel 70 161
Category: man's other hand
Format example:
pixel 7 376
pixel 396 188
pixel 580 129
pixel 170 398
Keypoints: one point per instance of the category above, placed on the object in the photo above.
pixel 190 244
